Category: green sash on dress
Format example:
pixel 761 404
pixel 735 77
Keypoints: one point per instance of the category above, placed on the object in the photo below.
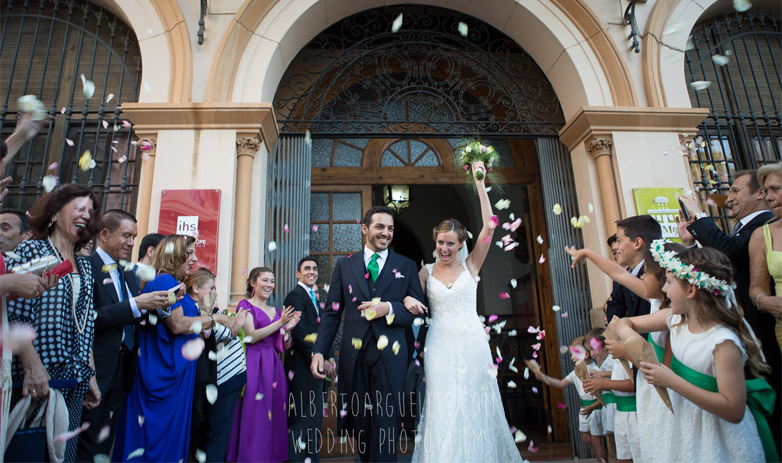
pixel 625 403
pixel 760 399
pixel 586 403
pixel 609 398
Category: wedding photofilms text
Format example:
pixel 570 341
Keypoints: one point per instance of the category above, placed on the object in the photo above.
pixel 407 405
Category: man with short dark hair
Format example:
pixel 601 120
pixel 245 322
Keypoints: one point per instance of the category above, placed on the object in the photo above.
pixel 118 307
pixel 306 392
pixel 633 237
pixel 143 266
pixel 367 288
pixel 611 242
pixel 14 228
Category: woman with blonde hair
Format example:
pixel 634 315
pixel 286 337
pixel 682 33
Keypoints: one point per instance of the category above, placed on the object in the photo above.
pixel 156 417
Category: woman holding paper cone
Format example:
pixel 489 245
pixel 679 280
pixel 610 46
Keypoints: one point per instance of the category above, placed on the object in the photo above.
pixel 156 417
pixel 710 345
pixel 63 221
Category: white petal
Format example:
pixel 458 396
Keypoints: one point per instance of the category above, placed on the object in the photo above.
pixel 700 84
pixel 110 97
pixel 397 24
pixel 742 5
pixel 169 248
pixel 89 87
pixel 49 182
pixel 196 327
pixel 463 29
pixel 720 60
pixel 272 246
pixel 211 393
pixel 136 453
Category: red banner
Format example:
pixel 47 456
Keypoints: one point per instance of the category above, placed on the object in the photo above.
pixel 194 213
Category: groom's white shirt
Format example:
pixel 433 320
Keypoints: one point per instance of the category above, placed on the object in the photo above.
pixel 382 256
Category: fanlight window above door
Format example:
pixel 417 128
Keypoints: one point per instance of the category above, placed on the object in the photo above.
pixel 409 153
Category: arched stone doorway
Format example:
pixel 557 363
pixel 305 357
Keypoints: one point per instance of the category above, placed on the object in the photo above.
pixel 385 109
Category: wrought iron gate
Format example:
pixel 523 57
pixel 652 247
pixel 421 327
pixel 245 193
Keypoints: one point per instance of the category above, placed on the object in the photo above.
pixel 45 47
pixel 739 56
pixel 571 292
pixel 288 210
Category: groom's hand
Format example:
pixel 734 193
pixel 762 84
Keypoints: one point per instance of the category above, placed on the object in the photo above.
pixel 381 309
pixel 316 366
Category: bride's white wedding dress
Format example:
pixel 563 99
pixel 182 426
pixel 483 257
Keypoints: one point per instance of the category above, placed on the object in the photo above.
pixel 463 417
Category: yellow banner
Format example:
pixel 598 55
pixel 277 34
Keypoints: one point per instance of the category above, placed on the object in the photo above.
pixel 663 205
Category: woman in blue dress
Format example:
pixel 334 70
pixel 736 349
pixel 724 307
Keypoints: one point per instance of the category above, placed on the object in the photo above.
pixel 155 423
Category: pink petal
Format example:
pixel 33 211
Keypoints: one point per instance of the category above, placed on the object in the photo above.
pixel 192 349
pixel 596 345
pixel 504 295
pixel 52 166
pixel 315 227
pixel 507 239
pixel 290 375
pixel 122 159
pixel 498 360
pixel 536 346
pixel 69 142
pixel 532 447
pixel 350 289
pixel 511 246
pixel 274 384
pixel 62 111
pixel 71 434
pixel 535 354
pixel 493 318
pixel 542 259
pixel 343 413
pixel 532 330
pixel 561 405
pixel 515 224
pixel 322 305
pixel 104 433
pixel 286 229
pixel 335 306
pixel 354 299
pixel 495 219
pixel 563 315
pixel 105 124
pixel 534 389
pixel 578 352
pixel 126 124
pixel 366 275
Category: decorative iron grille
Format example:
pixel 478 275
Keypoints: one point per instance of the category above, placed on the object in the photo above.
pixel 45 47
pixel 359 77
pixel 740 56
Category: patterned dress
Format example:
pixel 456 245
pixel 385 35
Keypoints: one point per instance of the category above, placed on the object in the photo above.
pixel 65 329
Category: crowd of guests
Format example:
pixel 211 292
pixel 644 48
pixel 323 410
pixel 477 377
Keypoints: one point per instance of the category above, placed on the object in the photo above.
pixel 710 308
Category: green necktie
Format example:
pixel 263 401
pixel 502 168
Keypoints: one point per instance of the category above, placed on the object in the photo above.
pixel 373 268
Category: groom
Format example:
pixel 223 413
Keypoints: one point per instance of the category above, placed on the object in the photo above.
pixel 368 288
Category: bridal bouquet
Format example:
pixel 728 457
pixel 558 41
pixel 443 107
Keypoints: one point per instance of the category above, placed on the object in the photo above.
pixel 475 151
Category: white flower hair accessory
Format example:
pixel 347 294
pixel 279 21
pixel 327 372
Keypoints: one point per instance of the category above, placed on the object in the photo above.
pixel 682 271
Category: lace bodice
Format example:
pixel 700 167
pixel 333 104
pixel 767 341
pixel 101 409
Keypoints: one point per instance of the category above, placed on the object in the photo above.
pixel 456 302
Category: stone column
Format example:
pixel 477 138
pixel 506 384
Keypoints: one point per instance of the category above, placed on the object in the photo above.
pixel 600 148
pixel 147 160
pixel 247 144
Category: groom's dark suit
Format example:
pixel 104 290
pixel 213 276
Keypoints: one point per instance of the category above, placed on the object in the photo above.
pixel 369 373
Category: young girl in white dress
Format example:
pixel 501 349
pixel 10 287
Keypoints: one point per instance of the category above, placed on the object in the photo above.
pixel 463 417
pixel 710 346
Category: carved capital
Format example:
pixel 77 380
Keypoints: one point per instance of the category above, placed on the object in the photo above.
pixel 599 146
pixel 247 146
pixel 148 145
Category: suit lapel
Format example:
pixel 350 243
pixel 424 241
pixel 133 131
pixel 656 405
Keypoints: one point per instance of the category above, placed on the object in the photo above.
pixel 385 277
pixel 101 277
pixel 359 273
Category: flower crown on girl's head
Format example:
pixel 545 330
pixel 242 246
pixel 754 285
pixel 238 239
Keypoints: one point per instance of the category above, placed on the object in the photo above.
pixel 702 280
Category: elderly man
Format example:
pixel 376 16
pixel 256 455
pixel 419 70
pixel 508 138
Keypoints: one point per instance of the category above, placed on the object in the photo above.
pixel 14 229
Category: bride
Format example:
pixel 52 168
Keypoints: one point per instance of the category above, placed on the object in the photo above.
pixel 463 418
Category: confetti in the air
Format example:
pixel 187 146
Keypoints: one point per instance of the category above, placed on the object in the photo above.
pixel 315 227
pixel 395 347
pixel 532 447
pixel 69 142
pixel 104 433
pixel 526 373
pixel 578 352
pixel 272 246
pixel 557 209
pixel 308 138
pixel 211 393
pixel 397 23
pixel 382 342
pixel 504 295
pixel 519 436
pixel 71 434
pixel 286 229
pixel 200 456
pixel 595 344
pixel 542 259
pixel 513 283
pixel 590 208
pixel 357 343
pixel 502 204
pixel 720 60
pixel 311 338
pixel 49 182
pixel 511 384
pixel 85 161
pixel 700 85
pixel 192 349
pixel 539 239
pixel 556 308
pixel 88 87
pixel 104 124
pixel 742 5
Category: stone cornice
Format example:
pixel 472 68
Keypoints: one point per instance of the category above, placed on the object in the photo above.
pixel 592 121
pixel 242 117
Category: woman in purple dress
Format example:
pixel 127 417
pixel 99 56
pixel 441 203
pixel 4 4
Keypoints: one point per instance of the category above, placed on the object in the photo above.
pixel 260 428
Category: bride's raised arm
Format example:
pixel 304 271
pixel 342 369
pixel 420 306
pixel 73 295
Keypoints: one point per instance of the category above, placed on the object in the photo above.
pixel 483 243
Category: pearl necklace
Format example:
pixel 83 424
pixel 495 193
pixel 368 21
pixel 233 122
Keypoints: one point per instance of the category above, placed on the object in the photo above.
pixel 74 296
